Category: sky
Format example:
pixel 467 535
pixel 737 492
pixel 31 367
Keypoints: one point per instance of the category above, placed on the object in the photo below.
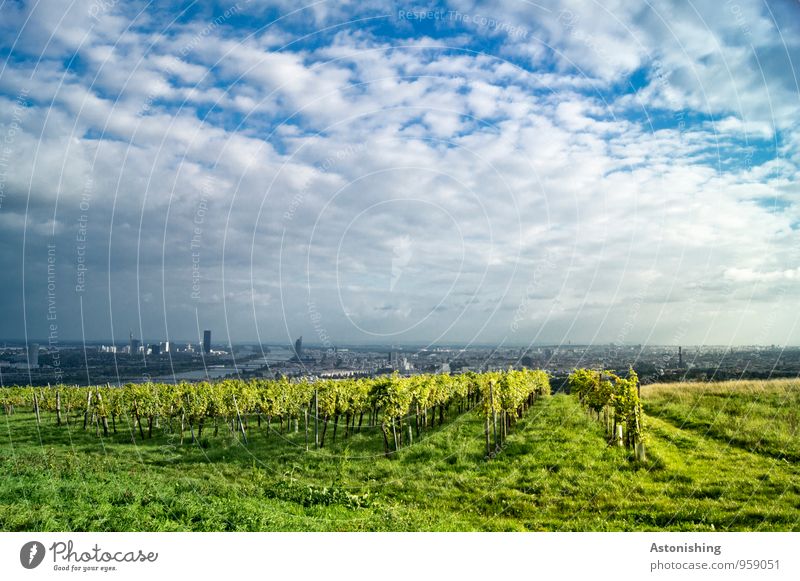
pixel 379 172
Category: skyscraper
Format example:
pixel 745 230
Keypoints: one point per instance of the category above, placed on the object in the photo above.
pixel 33 355
pixel 206 341
pixel 135 343
pixel 298 348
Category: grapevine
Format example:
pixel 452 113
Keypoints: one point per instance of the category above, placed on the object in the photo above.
pixel 399 408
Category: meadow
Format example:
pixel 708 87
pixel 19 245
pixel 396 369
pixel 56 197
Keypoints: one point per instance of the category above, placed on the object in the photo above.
pixel 718 457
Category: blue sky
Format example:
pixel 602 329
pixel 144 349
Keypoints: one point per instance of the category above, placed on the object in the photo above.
pixel 388 172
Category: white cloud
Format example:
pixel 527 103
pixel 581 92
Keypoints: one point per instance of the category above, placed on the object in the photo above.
pixel 313 162
pixel 749 275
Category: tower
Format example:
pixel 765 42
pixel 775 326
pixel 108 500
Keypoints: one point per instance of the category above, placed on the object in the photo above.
pixel 134 344
pixel 298 347
pixel 207 341
pixel 33 355
pixel 680 356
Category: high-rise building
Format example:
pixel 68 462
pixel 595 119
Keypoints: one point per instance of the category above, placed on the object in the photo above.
pixel 135 344
pixel 165 347
pixel 206 341
pixel 680 357
pixel 298 347
pixel 33 355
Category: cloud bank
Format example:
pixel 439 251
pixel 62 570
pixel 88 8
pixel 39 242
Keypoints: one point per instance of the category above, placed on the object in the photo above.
pixel 463 172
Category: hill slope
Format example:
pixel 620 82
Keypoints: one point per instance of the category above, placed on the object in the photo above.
pixel 720 457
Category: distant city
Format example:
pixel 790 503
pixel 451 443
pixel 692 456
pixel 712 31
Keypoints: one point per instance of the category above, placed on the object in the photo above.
pixel 168 361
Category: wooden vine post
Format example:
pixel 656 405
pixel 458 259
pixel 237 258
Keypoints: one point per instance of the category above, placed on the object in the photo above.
pixel 488 437
pixel 305 424
pixel 639 446
pixel 103 413
pixel 86 412
pixel 139 421
pixel 58 406
pixel 494 415
pixel 239 416
pixel 36 407
pixel 316 418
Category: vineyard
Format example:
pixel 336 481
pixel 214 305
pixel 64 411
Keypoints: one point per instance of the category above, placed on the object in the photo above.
pixel 399 408
pixel 402 454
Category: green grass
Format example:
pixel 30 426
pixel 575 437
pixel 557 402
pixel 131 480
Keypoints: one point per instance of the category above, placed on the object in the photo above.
pixel 556 473
pixel 759 416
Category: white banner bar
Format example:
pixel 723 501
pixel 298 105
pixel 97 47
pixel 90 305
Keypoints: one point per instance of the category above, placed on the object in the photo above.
pixel 617 556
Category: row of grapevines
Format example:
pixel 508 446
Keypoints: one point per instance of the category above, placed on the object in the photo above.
pixel 613 400
pixel 505 396
pixel 400 408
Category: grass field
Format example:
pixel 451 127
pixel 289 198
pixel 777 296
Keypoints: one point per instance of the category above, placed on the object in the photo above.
pixel 720 457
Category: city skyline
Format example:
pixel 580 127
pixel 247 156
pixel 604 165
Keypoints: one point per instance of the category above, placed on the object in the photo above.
pixel 182 343
pixel 454 174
